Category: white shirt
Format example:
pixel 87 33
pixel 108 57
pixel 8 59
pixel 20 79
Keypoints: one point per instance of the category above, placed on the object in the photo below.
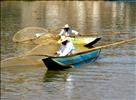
pixel 63 32
pixel 66 49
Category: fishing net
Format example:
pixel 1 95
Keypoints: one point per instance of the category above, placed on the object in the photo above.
pixel 46 39
pixel 22 61
pixel 29 33
pixel 32 57
pixel 48 48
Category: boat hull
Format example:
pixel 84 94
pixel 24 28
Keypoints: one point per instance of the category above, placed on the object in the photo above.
pixel 72 61
pixel 84 40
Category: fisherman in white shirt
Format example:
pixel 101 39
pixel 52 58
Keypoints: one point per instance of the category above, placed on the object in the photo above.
pixel 67 31
pixel 66 48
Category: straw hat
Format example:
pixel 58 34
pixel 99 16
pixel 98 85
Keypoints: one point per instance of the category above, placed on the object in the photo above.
pixel 66 26
pixel 62 39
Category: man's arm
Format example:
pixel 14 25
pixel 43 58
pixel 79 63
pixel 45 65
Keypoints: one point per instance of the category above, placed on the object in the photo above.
pixel 75 32
pixel 61 32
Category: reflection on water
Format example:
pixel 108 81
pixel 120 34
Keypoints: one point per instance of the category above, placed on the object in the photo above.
pixel 95 16
pixel 111 77
pixel 86 16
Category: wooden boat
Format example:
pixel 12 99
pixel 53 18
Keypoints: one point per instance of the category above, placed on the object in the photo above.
pixel 71 61
pixel 76 60
pixel 86 41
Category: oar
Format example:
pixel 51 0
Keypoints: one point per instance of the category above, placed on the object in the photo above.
pixel 41 55
pixel 109 45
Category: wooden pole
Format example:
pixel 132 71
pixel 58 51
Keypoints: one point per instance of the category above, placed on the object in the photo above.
pixel 109 45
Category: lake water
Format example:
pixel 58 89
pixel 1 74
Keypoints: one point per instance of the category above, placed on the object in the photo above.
pixel 111 77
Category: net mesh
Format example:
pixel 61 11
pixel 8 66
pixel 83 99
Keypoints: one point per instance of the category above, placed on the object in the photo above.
pixel 29 33
pixel 48 48
pixel 47 38
pixel 22 61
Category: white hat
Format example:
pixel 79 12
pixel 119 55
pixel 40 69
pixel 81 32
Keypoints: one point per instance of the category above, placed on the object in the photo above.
pixel 62 39
pixel 66 26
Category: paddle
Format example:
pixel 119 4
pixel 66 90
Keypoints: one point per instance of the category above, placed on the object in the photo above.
pixel 41 55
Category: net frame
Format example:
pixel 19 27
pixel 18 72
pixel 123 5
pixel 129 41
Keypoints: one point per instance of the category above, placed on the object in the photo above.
pixel 29 33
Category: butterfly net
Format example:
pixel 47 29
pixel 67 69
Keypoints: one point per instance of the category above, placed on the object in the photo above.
pixel 29 33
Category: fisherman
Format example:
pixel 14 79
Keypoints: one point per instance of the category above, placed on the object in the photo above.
pixel 67 31
pixel 66 48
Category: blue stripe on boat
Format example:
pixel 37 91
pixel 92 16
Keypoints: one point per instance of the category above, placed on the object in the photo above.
pixel 72 60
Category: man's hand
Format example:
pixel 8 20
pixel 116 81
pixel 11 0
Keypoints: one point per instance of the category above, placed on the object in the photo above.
pixel 55 53
pixel 79 35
